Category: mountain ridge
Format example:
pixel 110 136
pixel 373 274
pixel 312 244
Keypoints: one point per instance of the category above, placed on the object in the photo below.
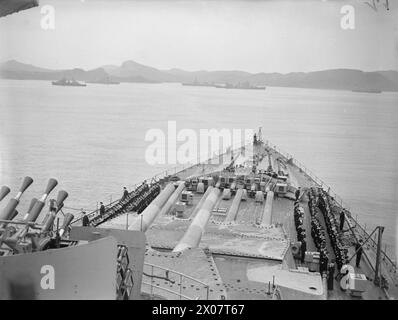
pixel 132 71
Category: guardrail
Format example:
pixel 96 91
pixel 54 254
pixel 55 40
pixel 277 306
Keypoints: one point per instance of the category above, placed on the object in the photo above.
pixel 392 265
pixel 157 271
pixel 277 294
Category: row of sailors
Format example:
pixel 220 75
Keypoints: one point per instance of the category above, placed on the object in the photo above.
pixel 142 201
pixel 318 233
pixel 333 227
pixel 298 222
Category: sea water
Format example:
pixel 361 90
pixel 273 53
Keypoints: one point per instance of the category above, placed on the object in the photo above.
pixel 92 139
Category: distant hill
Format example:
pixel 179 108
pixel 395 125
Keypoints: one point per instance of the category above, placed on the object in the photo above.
pixel 131 71
pixel 341 79
pixel 15 70
pixel 391 75
pixel 209 76
pixel 13 65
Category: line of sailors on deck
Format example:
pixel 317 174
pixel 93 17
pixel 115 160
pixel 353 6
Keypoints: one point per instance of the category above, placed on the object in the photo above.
pixel 298 222
pixel 318 233
pixel 333 229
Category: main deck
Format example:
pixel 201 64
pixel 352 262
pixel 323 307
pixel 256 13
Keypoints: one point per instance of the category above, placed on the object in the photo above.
pixel 244 248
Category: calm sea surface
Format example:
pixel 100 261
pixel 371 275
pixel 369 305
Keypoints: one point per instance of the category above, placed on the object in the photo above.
pixel 92 139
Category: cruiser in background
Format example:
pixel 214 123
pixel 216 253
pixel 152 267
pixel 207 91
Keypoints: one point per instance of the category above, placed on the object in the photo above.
pixel 105 80
pixel 68 83
pixel 244 85
pixel 196 83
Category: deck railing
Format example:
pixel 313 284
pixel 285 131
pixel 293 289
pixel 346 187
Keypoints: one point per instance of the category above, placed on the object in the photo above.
pixel 277 293
pixel 167 172
pixel 153 271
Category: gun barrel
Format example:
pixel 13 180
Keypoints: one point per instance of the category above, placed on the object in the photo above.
pixel 193 235
pixel 266 218
pixel 49 221
pixel 151 212
pixel 50 217
pixel 167 206
pixel 59 207
pixel 4 191
pixel 13 203
pixel 52 183
pixel 31 205
pixel 233 210
pixel 67 220
pixel 34 213
pixel 62 195
pixel 201 201
pixel 38 206
pixel 27 181
pixel 14 214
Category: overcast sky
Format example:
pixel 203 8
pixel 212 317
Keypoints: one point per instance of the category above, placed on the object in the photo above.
pixel 255 36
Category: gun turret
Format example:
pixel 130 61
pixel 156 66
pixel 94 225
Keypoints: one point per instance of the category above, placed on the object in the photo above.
pixel 13 203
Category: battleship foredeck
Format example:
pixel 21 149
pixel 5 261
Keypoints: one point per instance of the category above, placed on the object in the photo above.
pixel 239 209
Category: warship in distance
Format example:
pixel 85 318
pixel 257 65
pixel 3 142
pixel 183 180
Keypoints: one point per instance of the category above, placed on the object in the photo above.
pixel 241 85
pixel 68 83
pixel 227 229
pixel 244 85
pixel 197 83
pixel 104 80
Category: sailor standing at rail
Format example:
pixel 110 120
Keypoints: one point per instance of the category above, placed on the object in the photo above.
pixel 85 220
pixel 323 260
pixel 101 209
pixel 125 193
pixel 297 194
pixel 342 219
pixel 331 268
pixel 358 250
pixel 303 250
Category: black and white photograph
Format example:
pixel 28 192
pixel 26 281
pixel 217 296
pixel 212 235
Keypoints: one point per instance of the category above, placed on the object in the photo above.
pixel 212 150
